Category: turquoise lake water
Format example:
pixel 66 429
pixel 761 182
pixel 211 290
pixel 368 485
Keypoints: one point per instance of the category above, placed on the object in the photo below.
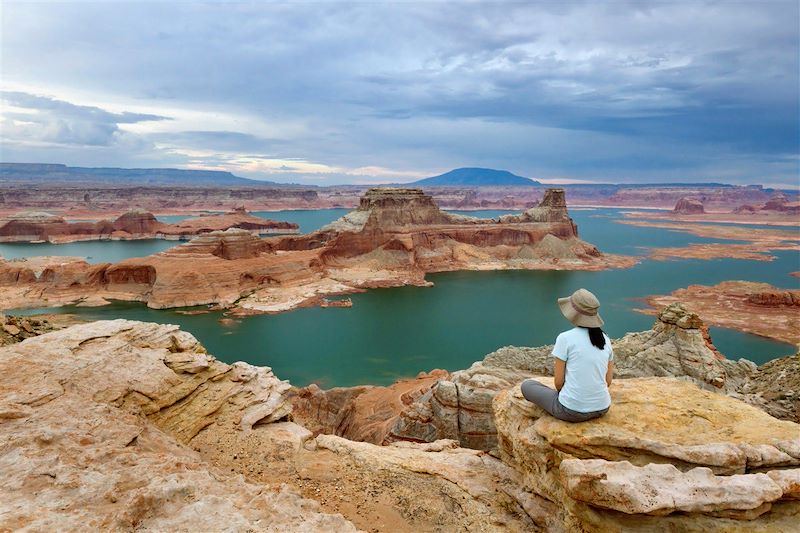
pixel 393 333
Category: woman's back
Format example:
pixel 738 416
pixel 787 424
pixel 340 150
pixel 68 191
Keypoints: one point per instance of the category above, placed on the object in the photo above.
pixel 585 388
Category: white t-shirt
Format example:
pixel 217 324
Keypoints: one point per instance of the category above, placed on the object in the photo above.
pixel 585 388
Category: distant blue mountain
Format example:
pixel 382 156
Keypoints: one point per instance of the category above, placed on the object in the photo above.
pixel 54 173
pixel 475 177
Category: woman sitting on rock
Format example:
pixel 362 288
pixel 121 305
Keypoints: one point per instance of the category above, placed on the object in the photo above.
pixel 583 365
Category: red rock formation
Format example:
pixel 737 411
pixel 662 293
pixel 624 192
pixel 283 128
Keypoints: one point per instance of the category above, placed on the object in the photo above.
pixel 775 299
pixel 757 308
pixel 135 224
pixel 230 244
pixel 688 206
pixel 392 239
pixel 137 221
pixel 745 208
pixel 781 203
pixel 364 413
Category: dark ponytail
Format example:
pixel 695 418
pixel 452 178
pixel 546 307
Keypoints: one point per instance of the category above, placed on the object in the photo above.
pixel 597 338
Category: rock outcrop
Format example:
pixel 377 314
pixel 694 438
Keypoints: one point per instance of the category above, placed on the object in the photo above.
pixel 92 424
pixel 667 457
pixel 138 221
pixel 689 206
pixel 363 413
pixel 775 388
pixel 15 329
pixel 757 308
pixel 230 244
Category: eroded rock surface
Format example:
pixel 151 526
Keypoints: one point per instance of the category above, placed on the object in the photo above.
pixel 120 425
pixel 92 421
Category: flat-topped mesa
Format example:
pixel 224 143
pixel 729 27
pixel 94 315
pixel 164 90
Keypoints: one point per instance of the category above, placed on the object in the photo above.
pixel 383 208
pixel 401 228
pixel 388 208
pixel 233 243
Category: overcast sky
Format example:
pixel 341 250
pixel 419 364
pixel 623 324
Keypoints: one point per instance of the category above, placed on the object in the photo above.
pixel 367 92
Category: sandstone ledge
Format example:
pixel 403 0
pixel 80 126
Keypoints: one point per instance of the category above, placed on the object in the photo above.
pixel 667 457
pixel 92 421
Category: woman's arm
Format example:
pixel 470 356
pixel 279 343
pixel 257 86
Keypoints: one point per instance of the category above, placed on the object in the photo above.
pixel 610 373
pixel 560 368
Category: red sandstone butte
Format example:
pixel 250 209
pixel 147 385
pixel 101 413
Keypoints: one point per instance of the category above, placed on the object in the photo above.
pixel 689 206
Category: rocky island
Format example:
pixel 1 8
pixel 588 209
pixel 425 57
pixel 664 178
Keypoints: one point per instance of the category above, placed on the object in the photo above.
pixel 777 210
pixel 757 308
pixel 128 425
pixel 132 225
pixel 393 238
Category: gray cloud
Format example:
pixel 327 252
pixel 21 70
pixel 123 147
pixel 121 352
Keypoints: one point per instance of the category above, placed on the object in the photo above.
pixel 56 121
pixel 634 90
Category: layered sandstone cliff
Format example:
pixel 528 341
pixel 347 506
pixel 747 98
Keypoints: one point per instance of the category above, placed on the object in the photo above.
pixel 121 425
pixel 134 224
pixel 394 238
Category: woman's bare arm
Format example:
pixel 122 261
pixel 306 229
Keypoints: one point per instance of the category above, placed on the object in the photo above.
pixel 610 373
pixel 560 371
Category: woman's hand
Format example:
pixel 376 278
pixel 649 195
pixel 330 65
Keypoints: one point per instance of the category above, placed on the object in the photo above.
pixel 560 370
pixel 610 373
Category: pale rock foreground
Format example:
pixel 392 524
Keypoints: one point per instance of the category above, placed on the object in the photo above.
pixel 126 426
pixel 76 454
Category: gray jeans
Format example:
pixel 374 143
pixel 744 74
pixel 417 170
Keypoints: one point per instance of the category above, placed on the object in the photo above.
pixel 547 399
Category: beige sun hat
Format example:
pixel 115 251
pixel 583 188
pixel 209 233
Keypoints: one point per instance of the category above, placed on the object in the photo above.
pixel 581 309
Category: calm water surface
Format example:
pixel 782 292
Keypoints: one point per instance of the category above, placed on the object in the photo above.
pixel 392 333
